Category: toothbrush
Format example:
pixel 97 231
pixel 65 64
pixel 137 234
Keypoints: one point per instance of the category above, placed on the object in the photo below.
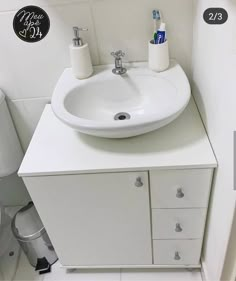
pixel 155 38
pixel 156 16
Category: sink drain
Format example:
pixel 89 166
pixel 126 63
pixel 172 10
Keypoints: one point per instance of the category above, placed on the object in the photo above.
pixel 122 116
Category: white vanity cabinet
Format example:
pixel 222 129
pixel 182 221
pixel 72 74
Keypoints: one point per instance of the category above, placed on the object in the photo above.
pixel 138 202
pixel 106 218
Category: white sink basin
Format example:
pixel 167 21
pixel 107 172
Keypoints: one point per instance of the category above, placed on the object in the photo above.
pixel 113 106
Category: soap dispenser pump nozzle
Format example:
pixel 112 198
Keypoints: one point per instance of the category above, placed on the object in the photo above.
pixel 77 41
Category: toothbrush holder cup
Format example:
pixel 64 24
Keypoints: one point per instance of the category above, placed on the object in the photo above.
pixel 158 57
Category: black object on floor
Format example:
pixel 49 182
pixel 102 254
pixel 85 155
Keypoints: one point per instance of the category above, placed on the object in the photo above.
pixel 43 266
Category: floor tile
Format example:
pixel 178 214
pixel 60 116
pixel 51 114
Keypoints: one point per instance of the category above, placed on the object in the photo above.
pixel 160 275
pixel 9 248
pixel 25 272
pixel 61 274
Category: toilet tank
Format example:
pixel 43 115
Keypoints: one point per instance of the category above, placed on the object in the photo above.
pixel 11 153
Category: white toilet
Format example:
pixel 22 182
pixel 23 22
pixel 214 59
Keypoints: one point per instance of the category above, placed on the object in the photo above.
pixel 11 155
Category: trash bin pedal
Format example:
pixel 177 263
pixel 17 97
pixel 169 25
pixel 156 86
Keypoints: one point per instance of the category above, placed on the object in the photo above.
pixel 43 266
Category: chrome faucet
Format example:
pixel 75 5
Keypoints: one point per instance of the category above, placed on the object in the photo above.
pixel 119 69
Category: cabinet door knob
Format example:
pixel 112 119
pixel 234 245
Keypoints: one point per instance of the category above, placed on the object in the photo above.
pixel 179 193
pixel 177 256
pixel 178 228
pixel 138 182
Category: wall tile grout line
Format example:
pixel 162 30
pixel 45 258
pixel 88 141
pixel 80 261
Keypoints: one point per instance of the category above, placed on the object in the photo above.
pixel 30 99
pixel 68 3
pixel 95 30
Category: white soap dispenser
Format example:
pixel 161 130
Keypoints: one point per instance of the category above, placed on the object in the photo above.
pixel 80 56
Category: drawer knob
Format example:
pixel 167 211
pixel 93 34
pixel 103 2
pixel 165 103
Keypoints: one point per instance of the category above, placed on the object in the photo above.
pixel 179 193
pixel 138 182
pixel 178 228
pixel 177 256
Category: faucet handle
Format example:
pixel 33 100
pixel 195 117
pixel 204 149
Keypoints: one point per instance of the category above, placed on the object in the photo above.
pixel 118 54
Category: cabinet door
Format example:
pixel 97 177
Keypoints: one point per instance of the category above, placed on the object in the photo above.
pixel 96 219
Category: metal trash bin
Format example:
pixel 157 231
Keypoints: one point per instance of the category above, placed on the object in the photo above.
pixel 28 229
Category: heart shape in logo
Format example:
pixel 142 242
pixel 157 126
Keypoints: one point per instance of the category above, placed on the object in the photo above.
pixel 23 33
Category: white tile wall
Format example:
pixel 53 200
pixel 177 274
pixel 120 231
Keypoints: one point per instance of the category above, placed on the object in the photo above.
pixel 29 72
pixel 13 191
pixel 214 67
pixel 8 5
pixel 127 25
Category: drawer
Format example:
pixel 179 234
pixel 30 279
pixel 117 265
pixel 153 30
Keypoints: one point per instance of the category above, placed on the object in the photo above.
pixel 178 223
pixel 180 188
pixel 177 252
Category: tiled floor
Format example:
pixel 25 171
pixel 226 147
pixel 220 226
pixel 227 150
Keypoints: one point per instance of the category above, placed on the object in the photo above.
pixel 9 248
pixel 27 273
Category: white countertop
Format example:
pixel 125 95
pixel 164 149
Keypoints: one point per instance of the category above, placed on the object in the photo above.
pixel 58 149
